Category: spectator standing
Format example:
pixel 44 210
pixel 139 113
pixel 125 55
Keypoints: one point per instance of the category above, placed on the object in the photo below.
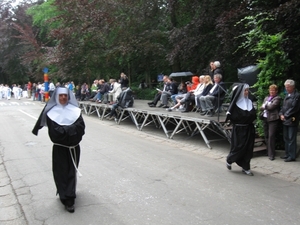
pixel 289 115
pixel 34 91
pixel 211 70
pixel 217 69
pixel 29 87
pixel 124 81
pixel 15 91
pixel 51 88
pixel 241 114
pixel 39 87
pixel 71 86
pixel 270 113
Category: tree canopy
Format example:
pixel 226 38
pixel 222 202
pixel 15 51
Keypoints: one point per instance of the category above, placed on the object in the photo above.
pixel 88 39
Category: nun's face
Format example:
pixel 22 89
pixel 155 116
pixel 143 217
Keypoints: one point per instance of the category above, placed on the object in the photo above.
pixel 246 92
pixel 63 99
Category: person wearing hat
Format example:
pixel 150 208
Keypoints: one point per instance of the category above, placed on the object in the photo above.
pixel 241 114
pixel 66 127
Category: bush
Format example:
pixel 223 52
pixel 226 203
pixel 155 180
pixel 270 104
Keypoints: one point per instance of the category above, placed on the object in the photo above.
pixel 145 94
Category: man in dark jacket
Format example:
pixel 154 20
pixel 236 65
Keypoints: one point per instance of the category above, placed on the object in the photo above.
pixel 289 115
pixel 159 93
pixel 171 89
pixel 217 69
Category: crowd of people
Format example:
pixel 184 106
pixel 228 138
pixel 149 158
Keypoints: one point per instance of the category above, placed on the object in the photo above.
pixel 241 114
pixel 201 91
pixel 102 91
pixel 34 91
pixel 203 94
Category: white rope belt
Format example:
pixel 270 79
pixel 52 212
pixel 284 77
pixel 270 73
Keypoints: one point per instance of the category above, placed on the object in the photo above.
pixel 71 148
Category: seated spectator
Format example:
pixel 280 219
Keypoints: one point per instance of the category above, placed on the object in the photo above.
pixel 103 88
pixel 190 95
pixel 181 89
pixel 85 92
pixel 105 96
pixel 207 86
pixel 158 95
pixel 94 88
pixel 170 89
pixel 124 100
pixel 115 92
pixel 208 102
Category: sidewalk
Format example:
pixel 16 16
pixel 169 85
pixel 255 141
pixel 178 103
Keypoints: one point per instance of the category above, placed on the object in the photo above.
pixel 260 163
pixel 10 210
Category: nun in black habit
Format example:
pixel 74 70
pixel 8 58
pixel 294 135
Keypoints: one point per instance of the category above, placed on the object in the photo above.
pixel 65 128
pixel 241 114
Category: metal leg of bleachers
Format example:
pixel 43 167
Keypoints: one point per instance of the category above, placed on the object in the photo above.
pixel 104 113
pixel 176 128
pixel 163 125
pixel 203 134
pixel 85 108
pixel 98 111
pixel 144 122
pixel 134 118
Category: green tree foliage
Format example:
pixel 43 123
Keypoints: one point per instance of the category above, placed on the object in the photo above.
pixel 88 39
pixel 13 50
pixel 272 60
pixel 42 15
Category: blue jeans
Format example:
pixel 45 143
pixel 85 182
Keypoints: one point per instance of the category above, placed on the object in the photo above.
pixel 173 98
pixel 98 96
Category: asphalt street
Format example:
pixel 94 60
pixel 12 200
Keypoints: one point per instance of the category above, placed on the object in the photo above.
pixel 138 177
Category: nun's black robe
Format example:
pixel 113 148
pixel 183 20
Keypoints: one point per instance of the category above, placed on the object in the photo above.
pixel 242 137
pixel 64 171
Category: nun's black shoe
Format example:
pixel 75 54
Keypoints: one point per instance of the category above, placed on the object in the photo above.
pixel 70 209
pixel 247 172
pixel 228 165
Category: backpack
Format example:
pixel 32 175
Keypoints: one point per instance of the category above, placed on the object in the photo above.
pixel 125 99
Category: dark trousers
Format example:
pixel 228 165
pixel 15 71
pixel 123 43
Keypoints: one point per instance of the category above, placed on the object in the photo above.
pixel 156 98
pixel 290 140
pixel 270 129
pixel 113 110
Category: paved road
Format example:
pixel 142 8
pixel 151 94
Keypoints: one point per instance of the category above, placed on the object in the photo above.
pixel 133 177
